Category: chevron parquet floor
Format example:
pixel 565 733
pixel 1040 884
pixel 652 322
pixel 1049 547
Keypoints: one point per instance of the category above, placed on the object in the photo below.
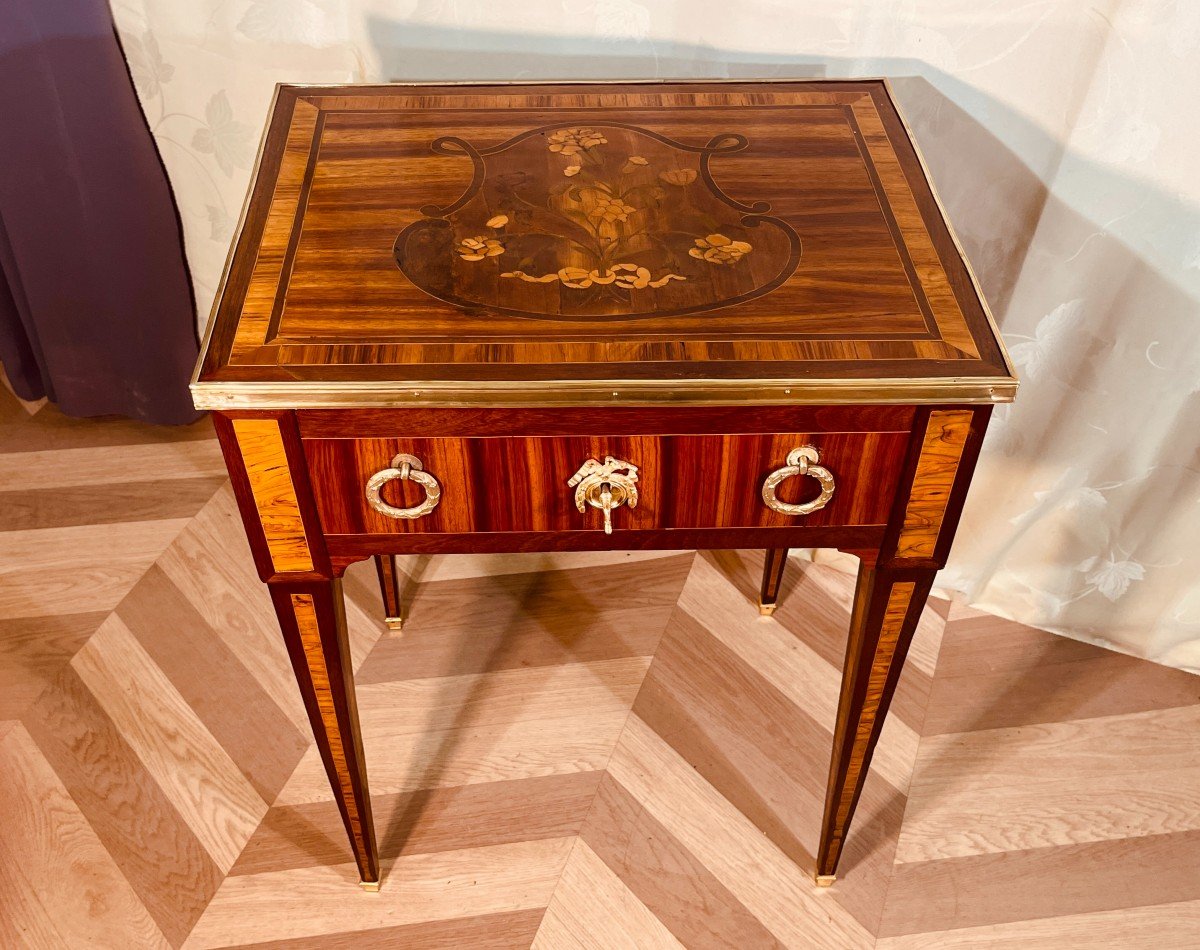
pixel 603 751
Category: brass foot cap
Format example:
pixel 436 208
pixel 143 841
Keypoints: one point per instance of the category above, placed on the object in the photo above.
pixel 394 623
pixel 765 610
pixel 369 885
pixel 825 880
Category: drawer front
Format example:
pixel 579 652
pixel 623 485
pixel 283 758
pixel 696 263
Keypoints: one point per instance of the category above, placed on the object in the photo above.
pixel 519 483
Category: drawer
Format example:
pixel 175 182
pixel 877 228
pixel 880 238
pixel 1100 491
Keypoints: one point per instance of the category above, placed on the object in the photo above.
pixel 519 483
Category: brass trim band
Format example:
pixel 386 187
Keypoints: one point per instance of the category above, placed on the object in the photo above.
pixel 443 393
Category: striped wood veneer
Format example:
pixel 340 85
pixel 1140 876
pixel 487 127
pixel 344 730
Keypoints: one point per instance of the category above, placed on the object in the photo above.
pixel 899 599
pixel 263 453
pixel 941 451
pixel 310 636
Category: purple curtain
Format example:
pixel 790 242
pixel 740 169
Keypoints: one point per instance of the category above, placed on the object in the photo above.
pixel 96 306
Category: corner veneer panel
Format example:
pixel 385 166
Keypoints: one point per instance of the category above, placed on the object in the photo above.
pixel 941 451
pixel 263 453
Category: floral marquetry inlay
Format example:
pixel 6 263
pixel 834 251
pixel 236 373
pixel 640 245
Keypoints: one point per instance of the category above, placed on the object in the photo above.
pixel 595 221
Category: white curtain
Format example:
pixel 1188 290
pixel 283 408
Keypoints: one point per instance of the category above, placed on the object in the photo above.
pixel 1061 135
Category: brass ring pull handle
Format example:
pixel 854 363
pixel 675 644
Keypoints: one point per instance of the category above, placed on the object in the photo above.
pixel 405 467
pixel 799 462
pixel 605 487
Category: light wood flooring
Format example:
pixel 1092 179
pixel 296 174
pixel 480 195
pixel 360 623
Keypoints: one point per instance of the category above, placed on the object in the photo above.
pixel 601 751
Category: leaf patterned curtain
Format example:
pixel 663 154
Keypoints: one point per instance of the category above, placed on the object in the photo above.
pixel 1061 137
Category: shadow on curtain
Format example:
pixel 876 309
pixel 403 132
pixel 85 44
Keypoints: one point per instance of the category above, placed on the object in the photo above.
pixel 1082 517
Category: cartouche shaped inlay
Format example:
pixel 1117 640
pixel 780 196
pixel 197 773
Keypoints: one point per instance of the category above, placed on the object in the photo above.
pixel 594 221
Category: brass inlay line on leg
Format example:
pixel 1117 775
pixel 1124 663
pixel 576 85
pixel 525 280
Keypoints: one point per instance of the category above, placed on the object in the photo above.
pixel 261 445
pixel 941 451
pixel 310 637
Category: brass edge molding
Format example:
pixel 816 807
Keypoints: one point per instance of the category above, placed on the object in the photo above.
pixel 443 393
pixel 236 240
pixel 962 254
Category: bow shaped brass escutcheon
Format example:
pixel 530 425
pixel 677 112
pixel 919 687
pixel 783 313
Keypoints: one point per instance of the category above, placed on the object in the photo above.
pixel 605 486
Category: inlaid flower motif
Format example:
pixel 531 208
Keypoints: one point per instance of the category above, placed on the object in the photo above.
pixel 632 163
pixel 574 141
pixel 478 247
pixel 678 176
pixel 605 207
pixel 719 249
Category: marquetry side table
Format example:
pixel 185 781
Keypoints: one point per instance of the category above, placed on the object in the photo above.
pixel 569 317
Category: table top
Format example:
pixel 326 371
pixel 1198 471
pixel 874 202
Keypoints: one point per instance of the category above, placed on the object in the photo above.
pixel 577 243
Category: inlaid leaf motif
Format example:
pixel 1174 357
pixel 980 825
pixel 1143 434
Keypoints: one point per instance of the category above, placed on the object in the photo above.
pixel 678 176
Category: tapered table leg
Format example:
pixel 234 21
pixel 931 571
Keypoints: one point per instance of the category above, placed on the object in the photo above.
pixel 312 617
pixel 773 565
pixel 389 584
pixel 887 606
